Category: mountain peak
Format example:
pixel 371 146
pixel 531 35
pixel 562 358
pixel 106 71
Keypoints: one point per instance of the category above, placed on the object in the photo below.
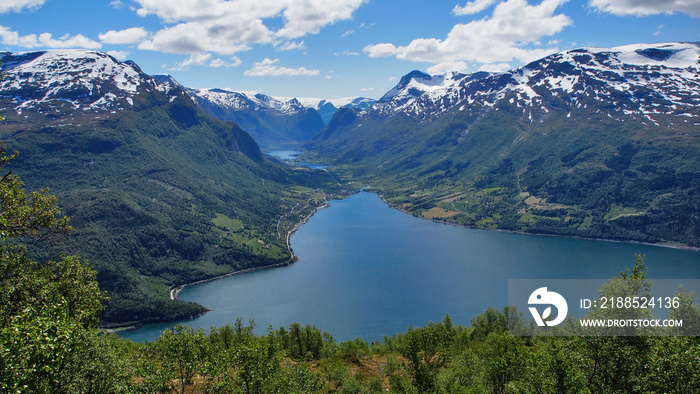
pixel 415 74
pixel 87 79
pixel 166 79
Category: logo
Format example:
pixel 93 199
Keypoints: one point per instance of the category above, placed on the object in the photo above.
pixel 543 297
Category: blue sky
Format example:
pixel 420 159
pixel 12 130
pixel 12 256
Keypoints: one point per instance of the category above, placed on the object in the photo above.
pixel 336 48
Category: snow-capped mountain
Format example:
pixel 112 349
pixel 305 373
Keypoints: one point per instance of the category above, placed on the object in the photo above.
pixel 639 80
pixel 72 79
pixel 599 142
pixel 328 108
pixel 141 170
pixel 236 101
pixel 273 123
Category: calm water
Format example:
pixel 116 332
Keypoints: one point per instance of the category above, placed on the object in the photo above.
pixel 367 270
pixel 291 156
pixel 284 154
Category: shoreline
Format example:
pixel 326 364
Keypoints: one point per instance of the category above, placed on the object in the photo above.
pixel 174 291
pixel 680 247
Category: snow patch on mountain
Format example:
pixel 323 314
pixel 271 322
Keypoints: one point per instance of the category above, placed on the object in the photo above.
pixel 86 79
pixel 638 80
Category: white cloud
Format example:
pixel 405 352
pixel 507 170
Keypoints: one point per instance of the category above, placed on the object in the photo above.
pixel 46 40
pixel 121 55
pixel 658 30
pixel 647 7
pixel 195 59
pixel 495 67
pixel 206 59
pixel 133 35
pixel 199 37
pixel 18 5
pixel 216 63
pixel 473 7
pixel 507 35
pixel 309 16
pixel 445 67
pixel 117 4
pixel 268 68
pixel 381 50
pixel 226 27
pixel 347 53
pixel 292 45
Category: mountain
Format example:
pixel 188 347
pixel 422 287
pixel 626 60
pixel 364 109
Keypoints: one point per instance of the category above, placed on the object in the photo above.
pixel 328 108
pixel 273 124
pixel 591 142
pixel 160 193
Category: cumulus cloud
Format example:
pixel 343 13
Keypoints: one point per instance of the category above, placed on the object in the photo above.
pixel 18 5
pixel 206 59
pixel 509 34
pixel 309 16
pixel 46 40
pixel 196 37
pixel 647 7
pixel 133 35
pixel 268 68
pixel 227 27
pixel 381 50
pixel 473 7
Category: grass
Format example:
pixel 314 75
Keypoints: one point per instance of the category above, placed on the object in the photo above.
pixel 223 221
pixel 618 211
pixel 439 213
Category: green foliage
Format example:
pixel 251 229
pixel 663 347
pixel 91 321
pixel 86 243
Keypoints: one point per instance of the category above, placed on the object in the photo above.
pixel 183 353
pixel 687 311
pixel 50 311
pixel 35 217
pixel 490 321
pixel 49 342
pixel 592 177
pixel 144 187
pixel 308 343
pixel 504 359
pixel 424 349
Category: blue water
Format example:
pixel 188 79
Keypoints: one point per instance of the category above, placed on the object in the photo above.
pixel 291 155
pixel 284 154
pixel 366 270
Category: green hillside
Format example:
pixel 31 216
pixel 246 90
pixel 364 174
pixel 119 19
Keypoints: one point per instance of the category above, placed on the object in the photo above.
pixel 569 170
pixel 160 195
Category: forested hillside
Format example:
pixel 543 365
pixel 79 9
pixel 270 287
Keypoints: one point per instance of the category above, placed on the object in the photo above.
pixel 159 193
pixel 591 142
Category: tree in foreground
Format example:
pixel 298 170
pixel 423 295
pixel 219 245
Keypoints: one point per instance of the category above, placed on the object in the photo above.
pixel 49 312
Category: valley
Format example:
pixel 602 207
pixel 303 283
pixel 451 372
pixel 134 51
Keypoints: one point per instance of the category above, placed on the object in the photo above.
pixel 159 193
pixel 164 190
pixel 592 142
pixel 349 196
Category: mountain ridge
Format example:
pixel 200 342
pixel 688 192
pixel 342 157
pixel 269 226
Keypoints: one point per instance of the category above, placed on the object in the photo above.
pixel 597 142
pixel 274 122
pixel 160 193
